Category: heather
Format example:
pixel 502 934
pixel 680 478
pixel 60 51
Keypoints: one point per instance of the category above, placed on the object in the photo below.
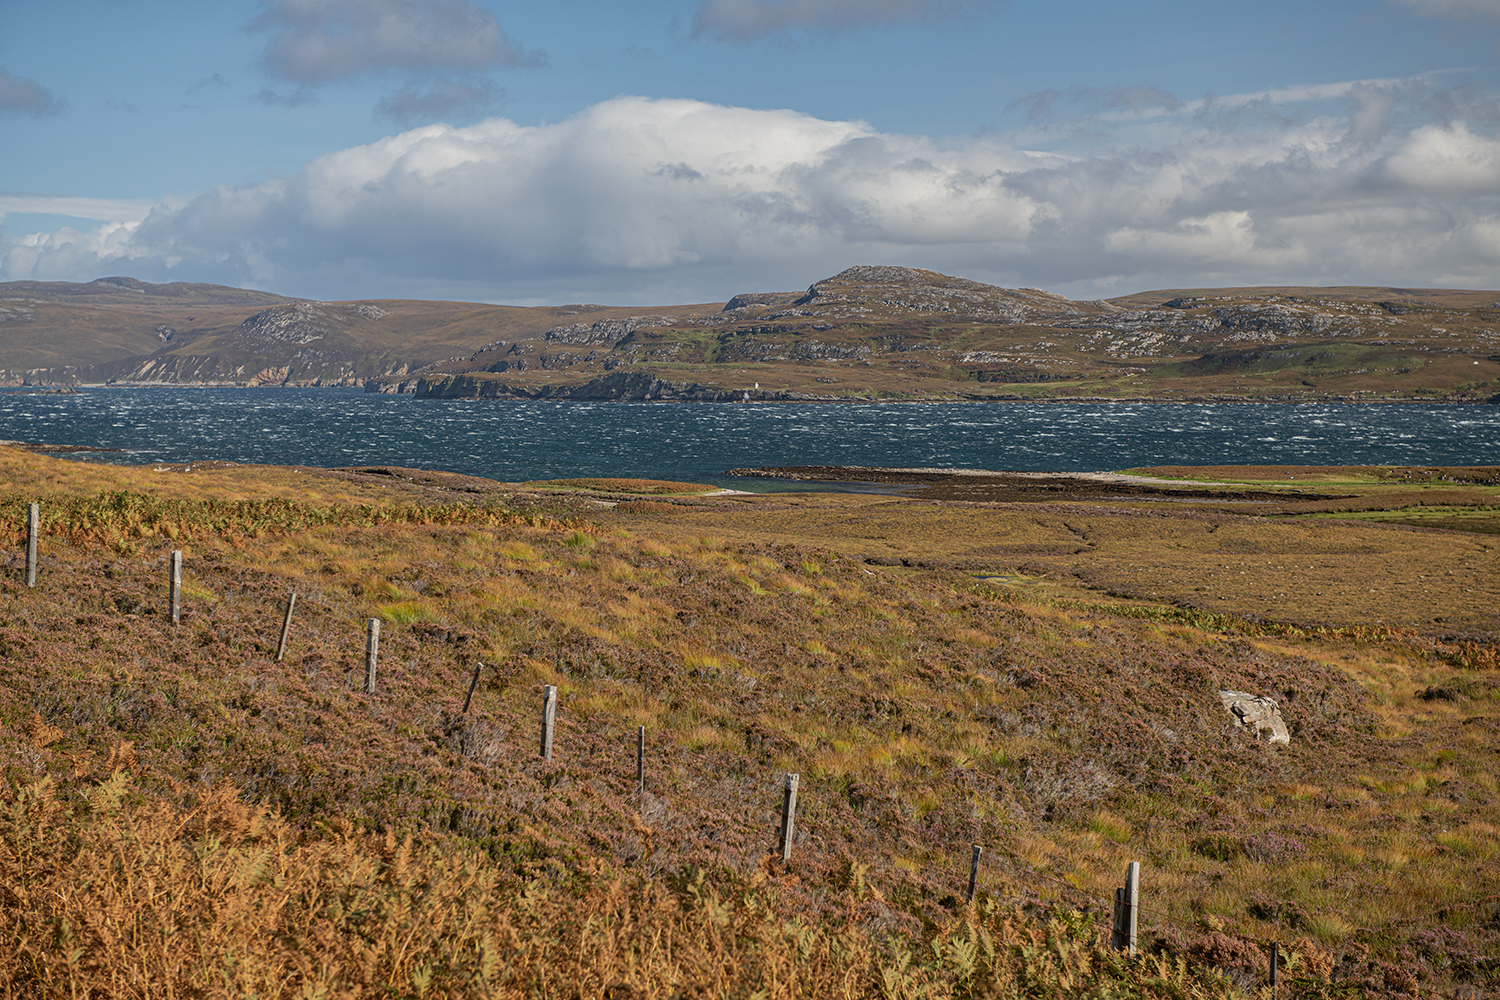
pixel 185 815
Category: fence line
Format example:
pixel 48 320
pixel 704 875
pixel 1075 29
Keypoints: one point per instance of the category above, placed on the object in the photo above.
pixel 1126 904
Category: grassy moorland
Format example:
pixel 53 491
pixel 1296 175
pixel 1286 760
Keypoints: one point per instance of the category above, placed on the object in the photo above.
pixel 185 816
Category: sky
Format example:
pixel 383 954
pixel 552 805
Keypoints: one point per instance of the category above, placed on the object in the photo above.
pixel 669 151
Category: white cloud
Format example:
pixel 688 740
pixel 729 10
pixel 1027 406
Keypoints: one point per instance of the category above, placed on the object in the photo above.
pixel 318 41
pixel 20 96
pixel 748 20
pixel 637 200
pixel 1447 161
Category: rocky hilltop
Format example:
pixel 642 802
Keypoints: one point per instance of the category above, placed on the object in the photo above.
pixel 897 332
pixel 868 332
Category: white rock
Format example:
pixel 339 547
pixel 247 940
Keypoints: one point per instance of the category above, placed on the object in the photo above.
pixel 1258 713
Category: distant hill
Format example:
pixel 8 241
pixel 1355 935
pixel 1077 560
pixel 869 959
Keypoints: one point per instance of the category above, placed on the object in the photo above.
pixel 868 332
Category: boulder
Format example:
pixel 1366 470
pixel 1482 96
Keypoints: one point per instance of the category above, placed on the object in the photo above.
pixel 1258 714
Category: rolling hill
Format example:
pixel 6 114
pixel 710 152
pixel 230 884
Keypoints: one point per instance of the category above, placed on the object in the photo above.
pixel 869 332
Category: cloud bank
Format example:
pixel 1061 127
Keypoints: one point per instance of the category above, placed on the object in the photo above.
pixel 750 20
pixel 639 200
pixel 314 42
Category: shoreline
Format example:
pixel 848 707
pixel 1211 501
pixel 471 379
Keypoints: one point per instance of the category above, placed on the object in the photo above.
pixel 802 399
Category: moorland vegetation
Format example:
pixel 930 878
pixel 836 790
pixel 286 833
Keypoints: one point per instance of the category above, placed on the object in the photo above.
pixel 185 816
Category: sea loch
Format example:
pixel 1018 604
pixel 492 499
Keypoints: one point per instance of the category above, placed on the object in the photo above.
pixel 522 441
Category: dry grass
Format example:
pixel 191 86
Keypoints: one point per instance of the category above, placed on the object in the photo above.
pixel 1310 572
pixel 925 711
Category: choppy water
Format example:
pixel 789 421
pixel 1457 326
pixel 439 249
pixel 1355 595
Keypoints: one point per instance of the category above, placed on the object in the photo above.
pixel 519 441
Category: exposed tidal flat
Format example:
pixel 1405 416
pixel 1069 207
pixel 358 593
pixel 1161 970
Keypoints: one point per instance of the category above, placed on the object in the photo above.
pixel 532 440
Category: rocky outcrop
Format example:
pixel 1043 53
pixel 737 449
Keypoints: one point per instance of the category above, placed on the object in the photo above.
pixel 791 349
pixel 747 299
pixel 392 385
pixel 604 333
pixel 1258 714
pixel 300 323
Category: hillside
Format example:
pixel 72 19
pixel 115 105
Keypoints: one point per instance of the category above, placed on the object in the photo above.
pixel 866 333
pixel 128 332
pixel 1035 672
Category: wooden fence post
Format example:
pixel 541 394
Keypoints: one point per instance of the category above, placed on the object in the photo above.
pixel 973 873
pixel 372 652
pixel 640 763
pixel 1275 961
pixel 473 683
pixel 1127 908
pixel 286 625
pixel 549 719
pixel 176 586
pixel 788 814
pixel 33 529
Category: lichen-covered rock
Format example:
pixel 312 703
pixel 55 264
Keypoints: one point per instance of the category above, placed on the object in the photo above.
pixel 1257 713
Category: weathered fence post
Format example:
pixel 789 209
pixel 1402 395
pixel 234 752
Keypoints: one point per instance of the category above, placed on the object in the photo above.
pixel 973 873
pixel 640 763
pixel 549 719
pixel 473 683
pixel 788 814
pixel 1127 906
pixel 176 586
pixel 286 625
pixel 1275 961
pixel 372 652
pixel 33 529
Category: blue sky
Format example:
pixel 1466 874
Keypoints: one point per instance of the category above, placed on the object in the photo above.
pixel 685 151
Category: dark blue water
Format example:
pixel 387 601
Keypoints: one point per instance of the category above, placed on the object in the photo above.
pixel 522 441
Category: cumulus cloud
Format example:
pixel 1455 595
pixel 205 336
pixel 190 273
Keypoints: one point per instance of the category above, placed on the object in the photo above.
pixel 315 42
pixel 20 96
pixel 749 20
pixel 639 200
pixel 412 104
